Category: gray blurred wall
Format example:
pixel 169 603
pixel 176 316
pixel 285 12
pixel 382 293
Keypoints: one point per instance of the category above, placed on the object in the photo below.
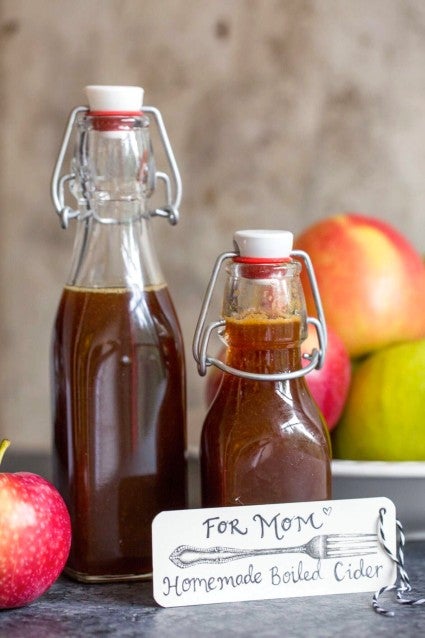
pixel 280 112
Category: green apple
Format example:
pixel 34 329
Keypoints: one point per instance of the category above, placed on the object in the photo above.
pixel 384 417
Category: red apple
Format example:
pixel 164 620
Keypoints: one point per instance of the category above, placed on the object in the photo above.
pixel 371 281
pixel 329 386
pixel 35 536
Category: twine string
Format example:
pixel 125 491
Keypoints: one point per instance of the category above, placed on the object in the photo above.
pixel 402 584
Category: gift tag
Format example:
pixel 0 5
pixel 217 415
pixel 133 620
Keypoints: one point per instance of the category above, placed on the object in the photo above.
pixel 255 552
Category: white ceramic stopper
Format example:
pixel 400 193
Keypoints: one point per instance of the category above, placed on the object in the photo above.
pixel 271 244
pixel 126 99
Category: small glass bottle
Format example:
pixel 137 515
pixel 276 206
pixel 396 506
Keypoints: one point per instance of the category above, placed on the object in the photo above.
pixel 264 439
pixel 118 376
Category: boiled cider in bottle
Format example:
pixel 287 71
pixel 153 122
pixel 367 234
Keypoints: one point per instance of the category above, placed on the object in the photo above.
pixel 118 375
pixel 264 439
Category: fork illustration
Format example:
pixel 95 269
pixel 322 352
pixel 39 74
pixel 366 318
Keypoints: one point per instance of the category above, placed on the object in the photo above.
pixel 323 546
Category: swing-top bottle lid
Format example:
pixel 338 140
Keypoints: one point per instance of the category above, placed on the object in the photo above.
pixel 115 99
pixel 263 244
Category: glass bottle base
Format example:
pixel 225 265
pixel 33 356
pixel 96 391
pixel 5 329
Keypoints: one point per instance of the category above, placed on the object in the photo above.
pixel 105 578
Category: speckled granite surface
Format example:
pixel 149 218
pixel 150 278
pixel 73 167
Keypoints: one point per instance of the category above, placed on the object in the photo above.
pixel 72 609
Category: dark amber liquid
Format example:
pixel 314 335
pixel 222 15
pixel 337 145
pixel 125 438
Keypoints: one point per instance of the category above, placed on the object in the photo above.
pixel 119 424
pixel 264 441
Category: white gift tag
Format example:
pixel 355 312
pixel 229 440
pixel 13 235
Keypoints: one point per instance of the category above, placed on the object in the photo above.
pixel 256 552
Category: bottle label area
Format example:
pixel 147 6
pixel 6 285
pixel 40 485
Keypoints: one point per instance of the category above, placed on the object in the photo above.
pixel 258 552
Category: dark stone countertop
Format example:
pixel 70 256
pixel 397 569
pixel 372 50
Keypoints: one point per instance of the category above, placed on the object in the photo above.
pixel 128 609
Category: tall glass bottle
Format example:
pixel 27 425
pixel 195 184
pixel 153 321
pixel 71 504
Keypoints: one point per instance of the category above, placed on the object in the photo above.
pixel 118 378
pixel 264 439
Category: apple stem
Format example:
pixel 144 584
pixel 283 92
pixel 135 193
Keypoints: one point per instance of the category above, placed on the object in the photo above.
pixel 3 447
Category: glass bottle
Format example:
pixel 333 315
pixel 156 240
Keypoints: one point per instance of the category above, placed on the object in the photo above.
pixel 117 362
pixel 263 439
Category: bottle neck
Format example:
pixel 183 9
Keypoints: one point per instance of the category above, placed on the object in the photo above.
pixel 265 317
pixel 113 164
pixel 115 174
pixel 264 346
pixel 117 255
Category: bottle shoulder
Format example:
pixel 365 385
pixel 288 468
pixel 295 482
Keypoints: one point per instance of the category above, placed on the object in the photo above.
pixel 247 406
pixel 146 314
pixel 114 256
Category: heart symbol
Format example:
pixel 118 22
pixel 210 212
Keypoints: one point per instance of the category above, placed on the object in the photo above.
pixel 327 510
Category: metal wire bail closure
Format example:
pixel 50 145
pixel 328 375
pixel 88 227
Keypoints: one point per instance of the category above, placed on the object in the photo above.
pixel 173 186
pixel 203 332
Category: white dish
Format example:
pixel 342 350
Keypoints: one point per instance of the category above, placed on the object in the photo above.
pixel 402 482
